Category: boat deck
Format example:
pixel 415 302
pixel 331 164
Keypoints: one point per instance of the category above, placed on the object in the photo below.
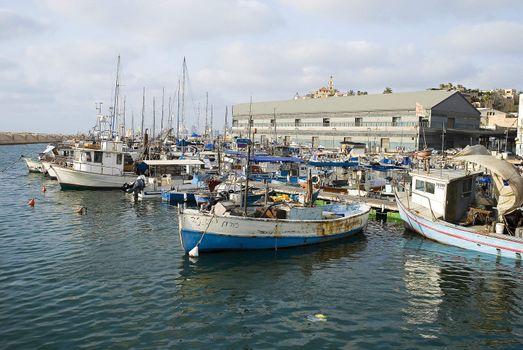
pixel 376 203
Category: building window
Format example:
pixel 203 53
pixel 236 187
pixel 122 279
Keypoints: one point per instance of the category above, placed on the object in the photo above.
pixel 451 122
pixel 119 159
pixel 326 122
pixel 235 123
pixel 396 121
pixel 347 139
pixel 297 122
pixel 251 122
pixel 358 122
pixel 273 122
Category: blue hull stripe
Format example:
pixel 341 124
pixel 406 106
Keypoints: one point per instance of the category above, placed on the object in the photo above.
pixel 215 242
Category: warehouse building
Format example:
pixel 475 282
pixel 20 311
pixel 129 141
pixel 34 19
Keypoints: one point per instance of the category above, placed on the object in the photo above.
pixel 384 122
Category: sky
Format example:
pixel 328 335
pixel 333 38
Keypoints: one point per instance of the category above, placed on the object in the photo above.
pixel 58 57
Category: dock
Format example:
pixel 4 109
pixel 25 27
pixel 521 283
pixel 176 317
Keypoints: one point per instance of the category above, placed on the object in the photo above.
pixel 376 203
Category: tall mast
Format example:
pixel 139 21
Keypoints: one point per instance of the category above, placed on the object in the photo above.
pixel 275 132
pixel 116 92
pixel 132 125
pixel 198 118
pixel 124 131
pixel 206 113
pixel 163 98
pixel 184 68
pixel 154 117
pixel 210 128
pixel 225 125
pixel 248 170
pixel 143 112
pixel 178 114
pixel 170 118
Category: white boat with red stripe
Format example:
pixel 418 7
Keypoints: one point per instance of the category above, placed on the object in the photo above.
pixel 454 207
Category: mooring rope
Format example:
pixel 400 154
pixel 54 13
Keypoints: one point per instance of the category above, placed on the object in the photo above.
pixel 13 163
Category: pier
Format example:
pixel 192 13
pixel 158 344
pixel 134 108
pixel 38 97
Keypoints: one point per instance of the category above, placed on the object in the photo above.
pixel 376 203
pixel 20 138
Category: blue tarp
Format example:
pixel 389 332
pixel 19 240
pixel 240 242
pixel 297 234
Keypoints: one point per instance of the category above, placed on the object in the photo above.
pixel 330 164
pixel 275 159
pixel 208 147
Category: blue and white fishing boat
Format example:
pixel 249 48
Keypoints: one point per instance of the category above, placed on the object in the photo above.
pixel 225 229
pixel 449 206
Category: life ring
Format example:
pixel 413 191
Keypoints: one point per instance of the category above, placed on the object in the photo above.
pixel 315 179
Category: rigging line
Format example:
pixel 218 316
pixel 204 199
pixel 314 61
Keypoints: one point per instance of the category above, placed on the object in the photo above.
pixel 13 163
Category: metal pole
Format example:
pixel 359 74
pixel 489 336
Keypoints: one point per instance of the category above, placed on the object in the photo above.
pixel 248 170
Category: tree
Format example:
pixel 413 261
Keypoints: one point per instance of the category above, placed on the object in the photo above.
pixel 387 90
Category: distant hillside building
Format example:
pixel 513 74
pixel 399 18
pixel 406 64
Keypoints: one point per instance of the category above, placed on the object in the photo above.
pixel 383 122
pixel 493 119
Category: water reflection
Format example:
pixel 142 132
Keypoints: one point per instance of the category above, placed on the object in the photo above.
pixel 450 290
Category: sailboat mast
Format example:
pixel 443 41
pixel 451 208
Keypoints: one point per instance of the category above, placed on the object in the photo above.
pixel 170 117
pixel 248 170
pixel 116 92
pixel 143 112
pixel 225 125
pixel 132 125
pixel 206 114
pixel 154 117
pixel 124 117
pixel 163 99
pixel 210 127
pixel 178 114
pixel 184 68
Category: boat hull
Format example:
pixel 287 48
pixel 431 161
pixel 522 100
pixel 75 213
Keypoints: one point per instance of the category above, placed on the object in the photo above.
pixel 33 166
pixel 240 233
pixel 49 170
pixel 70 179
pixel 446 233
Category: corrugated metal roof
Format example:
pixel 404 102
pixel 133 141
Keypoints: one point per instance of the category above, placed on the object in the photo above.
pixel 377 102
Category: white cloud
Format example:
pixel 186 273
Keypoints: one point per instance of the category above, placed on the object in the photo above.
pixel 489 39
pixel 14 25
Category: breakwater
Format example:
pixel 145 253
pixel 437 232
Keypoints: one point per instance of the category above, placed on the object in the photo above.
pixel 20 138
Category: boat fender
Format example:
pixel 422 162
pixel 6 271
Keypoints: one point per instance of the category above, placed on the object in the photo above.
pixel 194 252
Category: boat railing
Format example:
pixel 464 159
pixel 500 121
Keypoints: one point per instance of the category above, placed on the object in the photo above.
pixel 434 218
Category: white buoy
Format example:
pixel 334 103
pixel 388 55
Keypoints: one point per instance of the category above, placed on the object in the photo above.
pixel 194 252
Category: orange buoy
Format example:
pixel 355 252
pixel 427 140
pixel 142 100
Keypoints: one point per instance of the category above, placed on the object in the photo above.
pixel 31 202
pixel 44 189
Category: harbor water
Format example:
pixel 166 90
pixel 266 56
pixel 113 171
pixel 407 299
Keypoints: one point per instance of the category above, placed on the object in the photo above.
pixel 118 278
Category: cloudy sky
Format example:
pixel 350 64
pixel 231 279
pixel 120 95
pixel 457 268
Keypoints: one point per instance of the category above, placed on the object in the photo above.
pixel 58 57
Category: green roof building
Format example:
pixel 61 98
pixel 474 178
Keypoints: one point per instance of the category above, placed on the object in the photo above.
pixel 384 122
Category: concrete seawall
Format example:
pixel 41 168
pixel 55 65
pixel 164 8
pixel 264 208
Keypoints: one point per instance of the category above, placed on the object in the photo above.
pixel 18 138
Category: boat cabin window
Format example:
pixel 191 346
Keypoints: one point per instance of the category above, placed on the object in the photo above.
pixel 98 156
pixel 118 159
pixel 467 188
pixel 88 157
pixel 425 186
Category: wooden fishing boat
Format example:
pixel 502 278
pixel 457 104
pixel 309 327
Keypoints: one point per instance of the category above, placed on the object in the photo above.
pixel 223 229
pixel 445 206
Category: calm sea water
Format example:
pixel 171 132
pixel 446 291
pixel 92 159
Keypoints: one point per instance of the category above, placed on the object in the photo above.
pixel 117 278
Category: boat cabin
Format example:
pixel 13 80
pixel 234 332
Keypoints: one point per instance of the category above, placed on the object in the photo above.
pixel 447 193
pixel 106 157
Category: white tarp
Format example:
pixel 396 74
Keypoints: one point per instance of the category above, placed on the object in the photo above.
pixel 507 179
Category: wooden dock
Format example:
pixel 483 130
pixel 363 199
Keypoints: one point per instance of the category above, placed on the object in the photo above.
pixel 377 203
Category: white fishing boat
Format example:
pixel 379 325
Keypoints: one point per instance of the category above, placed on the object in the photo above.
pixel 449 207
pixel 34 166
pixel 103 165
pixel 224 229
